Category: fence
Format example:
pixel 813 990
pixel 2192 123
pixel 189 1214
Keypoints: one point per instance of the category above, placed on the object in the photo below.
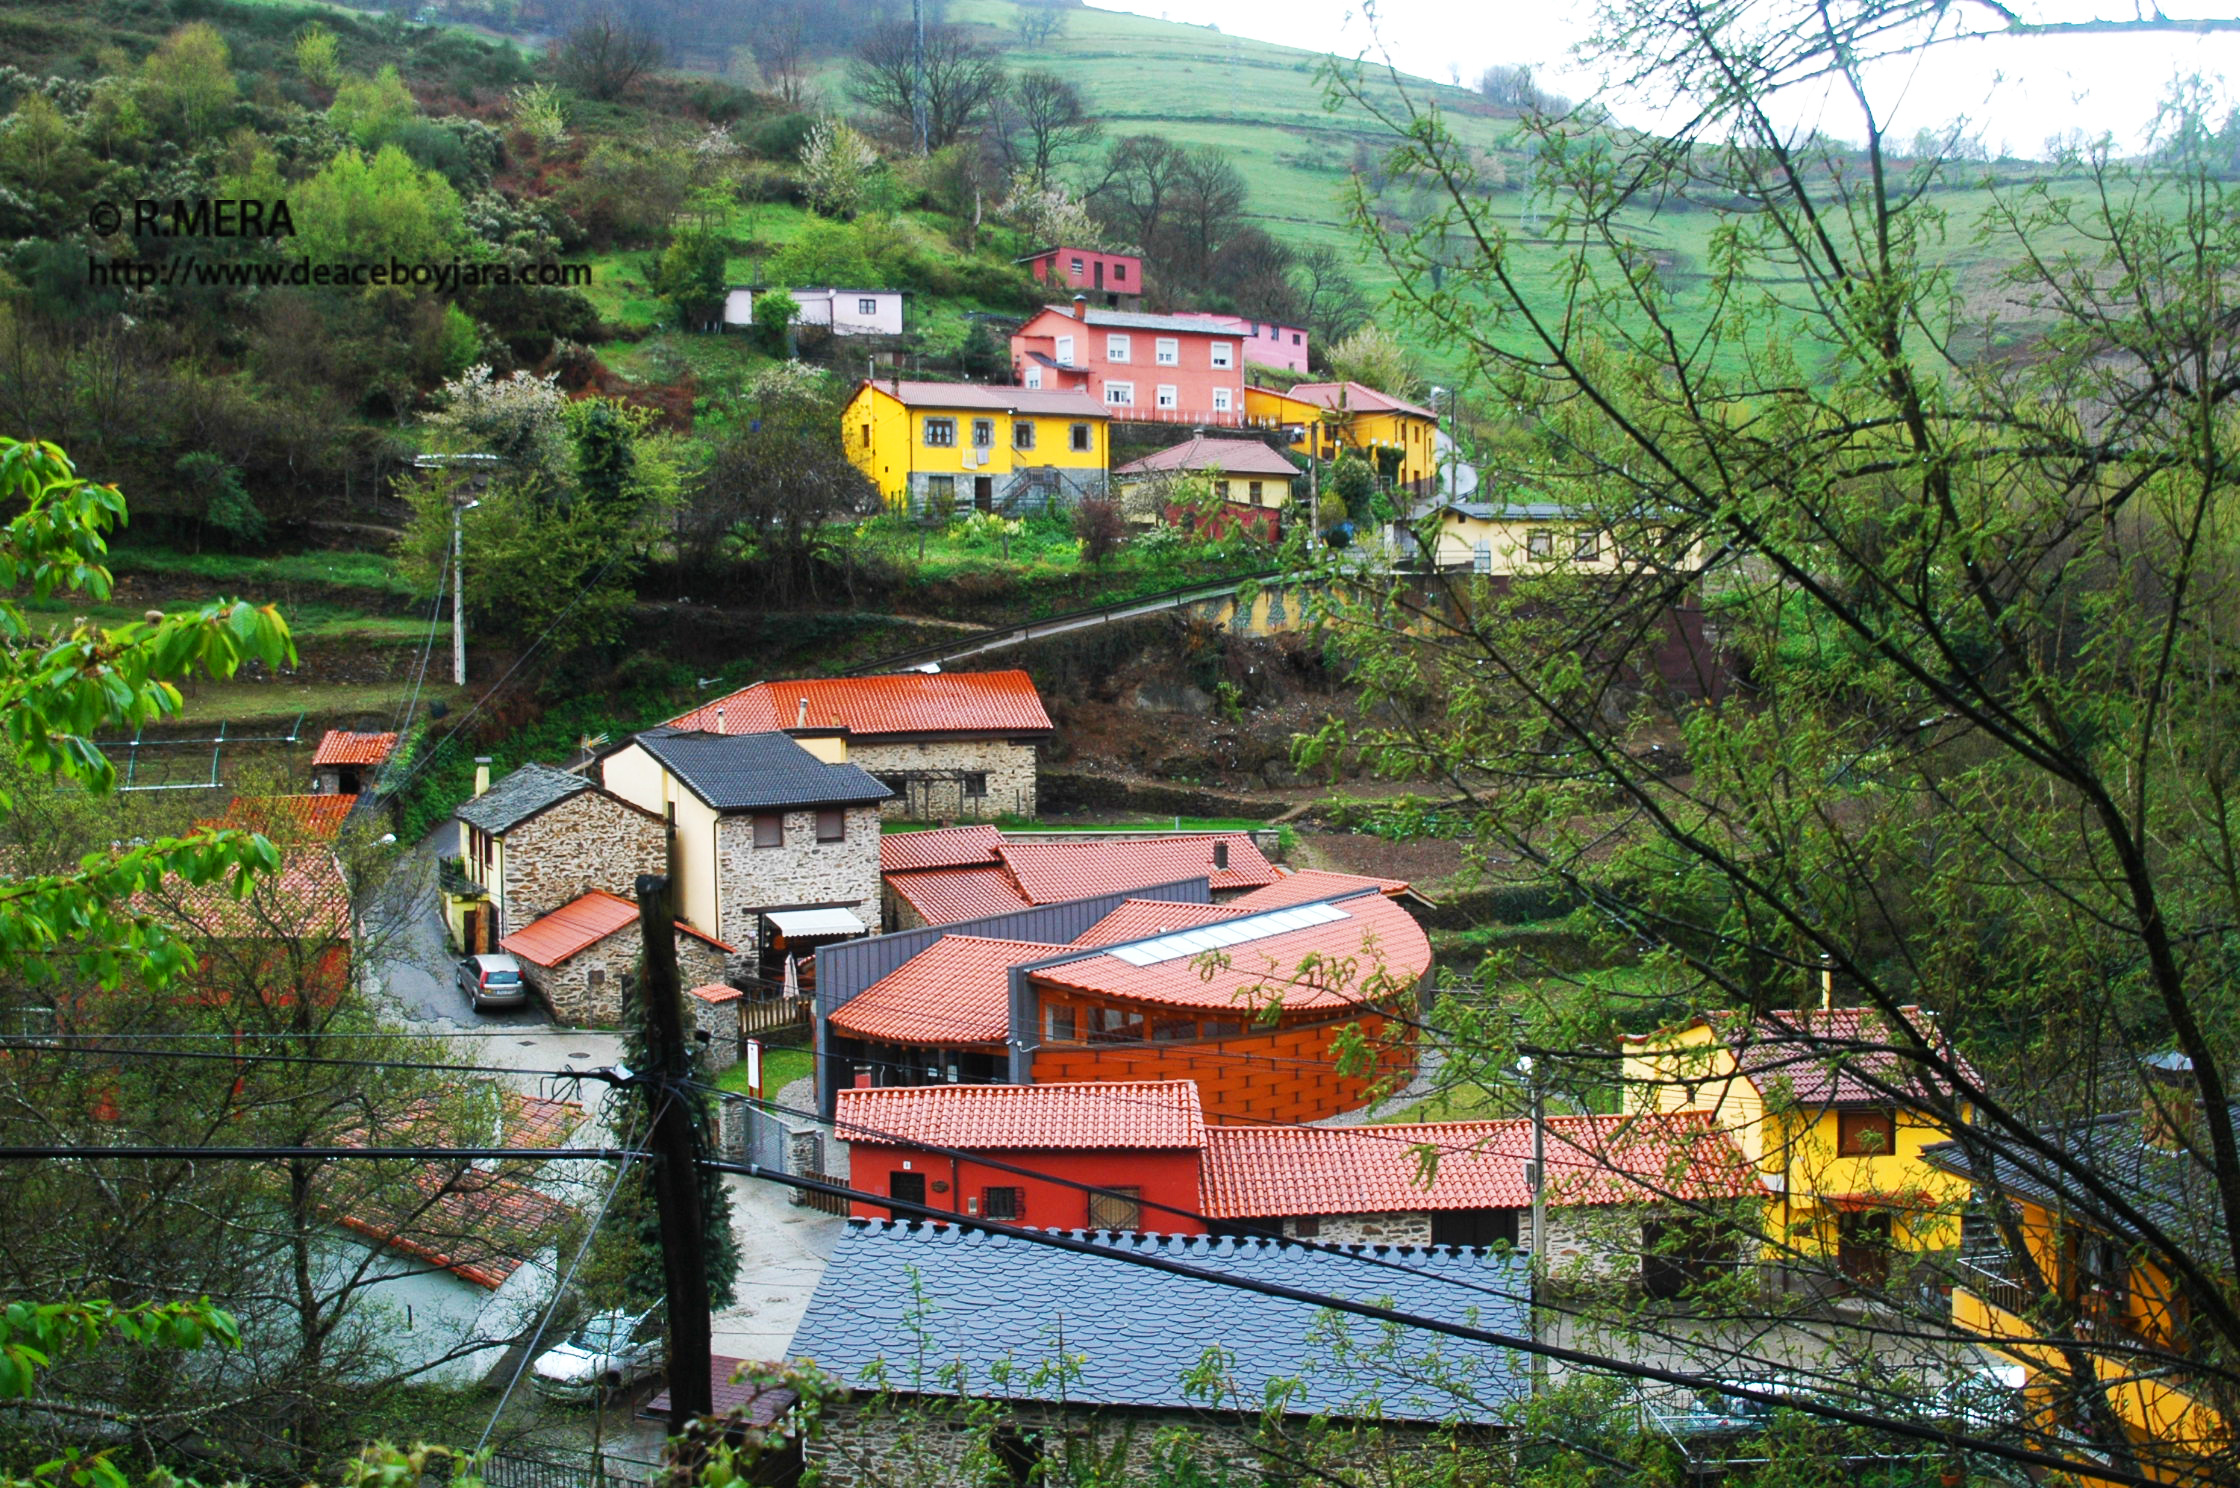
pixel 773 1019
pixel 559 1468
pixel 823 1203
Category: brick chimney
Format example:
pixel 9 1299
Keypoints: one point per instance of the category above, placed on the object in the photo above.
pixel 1080 307
pixel 481 774
pixel 2169 1100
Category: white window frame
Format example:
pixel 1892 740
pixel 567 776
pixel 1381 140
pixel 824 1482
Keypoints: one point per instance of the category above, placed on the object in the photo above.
pixel 1065 351
pixel 1118 347
pixel 1167 351
pixel 1120 394
pixel 1222 401
pixel 1224 353
pixel 1034 376
pixel 1076 268
pixel 1166 396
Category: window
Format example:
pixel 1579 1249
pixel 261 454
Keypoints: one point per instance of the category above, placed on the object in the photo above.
pixel 1589 549
pixel 1081 438
pixel 1022 434
pixel 1294 338
pixel 975 782
pixel 1075 268
pixel 1172 1030
pixel 1254 487
pixel 867 434
pixel 1540 544
pixel 769 831
pixel 1065 351
pixel 1034 377
pixel 1474 1229
pixel 1217 1028
pixel 832 825
pixel 1306 1227
pixel 941 490
pixel 1115 1026
pixel 1116 1209
pixel 941 433
pixel 1677 1254
pixel 1481 558
pixel 1120 394
pixel 1865 1133
pixel 1224 353
pixel 1116 348
pixel 1221 400
pixel 983 433
pixel 1166 397
pixel 595 978
pixel 1058 1024
pixel 867 307
pixel 1003 1203
pixel 1167 351
pixel 1119 272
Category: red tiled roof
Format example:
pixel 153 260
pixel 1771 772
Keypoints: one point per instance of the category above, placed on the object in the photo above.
pixel 1308 884
pixel 1829 1056
pixel 955 991
pixel 1262 1171
pixel 757 1405
pixel 1359 397
pixel 480 1227
pixel 576 927
pixel 1229 456
pixel 1375 951
pixel 1051 871
pixel 943 896
pixel 1140 919
pixel 873 707
pixel 341 747
pixel 944 847
pixel 307 899
pixel 1131 1114
pixel 715 992
pixel 287 818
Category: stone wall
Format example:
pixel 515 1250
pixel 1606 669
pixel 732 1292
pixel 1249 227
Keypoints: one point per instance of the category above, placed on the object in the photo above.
pixel 1015 492
pixel 803 872
pixel 589 841
pixel 714 1010
pixel 1009 766
pixel 585 991
pixel 1366 1229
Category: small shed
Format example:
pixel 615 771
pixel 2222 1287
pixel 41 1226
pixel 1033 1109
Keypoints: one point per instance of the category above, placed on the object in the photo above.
pixel 576 956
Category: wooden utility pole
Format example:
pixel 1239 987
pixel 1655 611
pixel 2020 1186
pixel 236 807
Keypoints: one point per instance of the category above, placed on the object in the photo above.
pixel 675 1144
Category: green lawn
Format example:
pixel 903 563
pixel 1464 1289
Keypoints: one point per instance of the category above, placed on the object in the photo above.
pixel 780 1068
pixel 238 704
pixel 252 574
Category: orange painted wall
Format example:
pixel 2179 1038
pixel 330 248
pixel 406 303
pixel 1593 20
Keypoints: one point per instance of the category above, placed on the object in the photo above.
pixel 1283 1074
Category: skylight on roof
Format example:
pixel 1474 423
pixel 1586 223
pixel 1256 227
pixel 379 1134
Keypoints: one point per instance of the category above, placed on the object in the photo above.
pixel 1227 933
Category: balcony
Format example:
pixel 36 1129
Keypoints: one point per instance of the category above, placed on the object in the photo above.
pixel 452 877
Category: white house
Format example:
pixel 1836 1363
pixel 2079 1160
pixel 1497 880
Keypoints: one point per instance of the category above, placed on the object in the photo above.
pixel 848 312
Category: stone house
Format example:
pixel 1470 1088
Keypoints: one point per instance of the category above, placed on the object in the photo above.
pixel 965 1371
pixel 577 956
pixel 345 763
pixel 946 744
pixel 541 838
pixel 775 849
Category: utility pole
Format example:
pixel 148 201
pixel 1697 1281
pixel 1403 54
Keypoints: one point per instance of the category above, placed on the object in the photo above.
pixel 1536 1177
pixel 459 509
pixel 675 1145
pixel 918 75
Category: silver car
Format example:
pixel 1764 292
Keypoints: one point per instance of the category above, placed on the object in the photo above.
pixel 493 982
pixel 610 1350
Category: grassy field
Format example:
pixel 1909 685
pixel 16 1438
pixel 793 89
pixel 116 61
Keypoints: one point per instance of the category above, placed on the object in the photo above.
pixel 780 1068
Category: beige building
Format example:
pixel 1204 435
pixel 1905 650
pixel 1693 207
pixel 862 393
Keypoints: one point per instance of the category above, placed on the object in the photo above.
pixel 776 841
pixel 957 745
pixel 1253 481
pixel 1509 538
pixel 540 838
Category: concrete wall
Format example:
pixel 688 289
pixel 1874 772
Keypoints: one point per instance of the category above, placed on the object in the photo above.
pixel 803 872
pixel 589 841
pixel 1008 764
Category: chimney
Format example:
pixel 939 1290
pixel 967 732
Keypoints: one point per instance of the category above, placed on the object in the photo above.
pixel 481 774
pixel 1221 855
pixel 1080 307
pixel 2169 1100
pixel 801 714
pixel 719 718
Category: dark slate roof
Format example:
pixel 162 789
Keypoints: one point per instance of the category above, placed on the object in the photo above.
pixel 755 772
pixel 981 1298
pixel 519 796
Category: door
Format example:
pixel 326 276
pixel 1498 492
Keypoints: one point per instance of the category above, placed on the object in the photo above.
pixel 1863 1247
pixel 984 493
pixel 1678 1254
pixel 1100 273
pixel 911 1189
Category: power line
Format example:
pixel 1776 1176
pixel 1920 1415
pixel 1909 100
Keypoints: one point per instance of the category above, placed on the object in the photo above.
pixel 39 1045
pixel 340 1154
pixel 1950 1441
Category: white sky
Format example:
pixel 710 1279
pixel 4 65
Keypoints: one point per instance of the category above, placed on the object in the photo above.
pixel 2019 90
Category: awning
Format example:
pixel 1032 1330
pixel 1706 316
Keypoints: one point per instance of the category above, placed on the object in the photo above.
pixel 814 924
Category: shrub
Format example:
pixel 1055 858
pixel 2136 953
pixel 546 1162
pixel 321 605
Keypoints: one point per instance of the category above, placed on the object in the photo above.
pixel 1097 522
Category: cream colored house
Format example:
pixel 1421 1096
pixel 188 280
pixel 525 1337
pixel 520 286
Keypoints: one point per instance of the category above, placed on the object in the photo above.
pixel 774 841
pixel 1509 538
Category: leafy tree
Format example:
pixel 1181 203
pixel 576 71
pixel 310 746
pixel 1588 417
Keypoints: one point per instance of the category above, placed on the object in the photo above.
pixel 1101 528
pixel 318 56
pixel 1374 357
pixel 223 502
pixel 518 417
pixel 837 167
pixel 691 276
pixel 1354 484
pixel 186 84
pixel 379 210
pixel 373 111
pixel 774 313
pixel 962 81
pixel 540 114
pixel 1330 300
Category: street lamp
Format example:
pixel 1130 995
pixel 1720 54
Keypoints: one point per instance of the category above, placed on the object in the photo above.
pixel 459 595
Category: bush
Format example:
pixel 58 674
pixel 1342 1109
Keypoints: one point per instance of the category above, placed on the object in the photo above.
pixel 1097 522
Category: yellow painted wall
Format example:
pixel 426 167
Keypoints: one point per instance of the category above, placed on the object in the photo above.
pixel 1510 542
pixel 639 778
pixel 1410 433
pixel 1275 490
pixel 886 441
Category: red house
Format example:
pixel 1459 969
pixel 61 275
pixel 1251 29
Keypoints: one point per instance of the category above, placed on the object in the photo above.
pixel 1173 369
pixel 1114 278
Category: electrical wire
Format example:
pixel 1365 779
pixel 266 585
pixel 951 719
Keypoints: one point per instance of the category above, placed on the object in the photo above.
pixel 37 1045
pixel 274 1154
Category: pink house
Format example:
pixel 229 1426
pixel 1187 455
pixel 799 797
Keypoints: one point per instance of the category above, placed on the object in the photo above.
pixel 1114 278
pixel 1146 368
pixel 1266 343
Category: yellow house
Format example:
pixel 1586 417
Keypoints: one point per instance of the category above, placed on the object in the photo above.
pixel 1350 415
pixel 2098 1328
pixel 1509 538
pixel 961 447
pixel 1252 480
pixel 1816 1107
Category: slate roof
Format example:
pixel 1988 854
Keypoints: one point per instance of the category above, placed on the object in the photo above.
pixel 944 896
pixel 1827 1056
pixel 1151 1115
pixel 992 398
pixel 1382 946
pixel 1136 1333
pixel 955 991
pixel 1307 884
pixel 1251 1172
pixel 1359 397
pixel 577 926
pixel 905 704
pixel 943 847
pixel 515 797
pixel 1048 872
pixel 1230 456
pixel 757 771
pixel 342 747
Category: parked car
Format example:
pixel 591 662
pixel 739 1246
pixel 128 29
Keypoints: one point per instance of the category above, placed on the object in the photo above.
pixel 493 982
pixel 610 1350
